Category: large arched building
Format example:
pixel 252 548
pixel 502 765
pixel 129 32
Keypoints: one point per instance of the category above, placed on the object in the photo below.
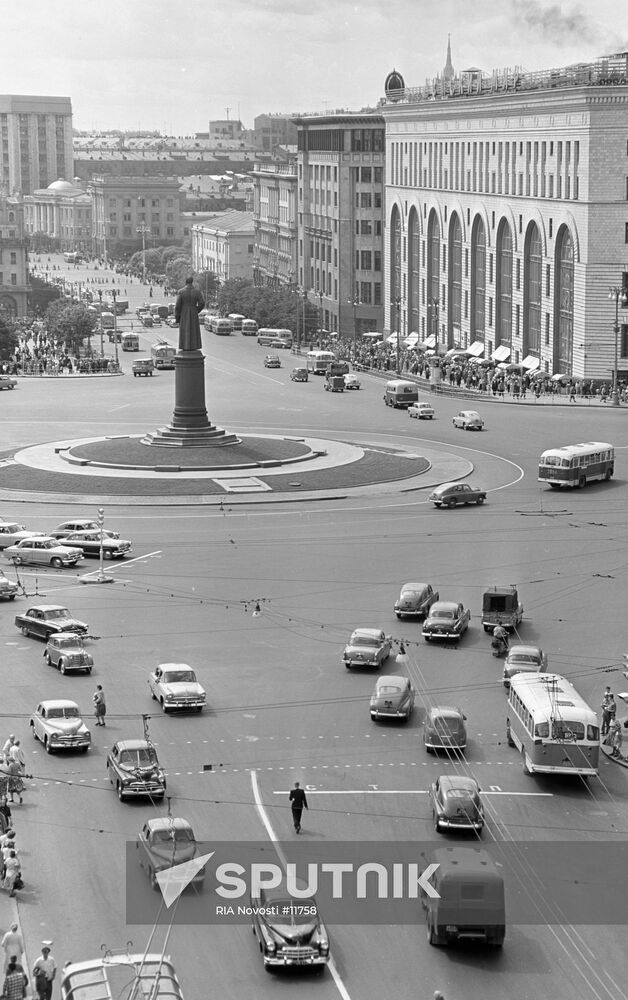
pixel 507 214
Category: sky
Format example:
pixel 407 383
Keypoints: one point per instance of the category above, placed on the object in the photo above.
pixel 158 65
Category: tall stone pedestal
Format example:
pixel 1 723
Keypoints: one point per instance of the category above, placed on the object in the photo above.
pixel 190 426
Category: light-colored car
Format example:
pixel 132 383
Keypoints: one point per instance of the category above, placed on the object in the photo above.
pixel 89 543
pixel 7 382
pixel 165 842
pixel 82 524
pixel 456 804
pixel 66 651
pixel 43 551
pixel 444 729
pixel 456 495
pixel 415 599
pixel 421 411
pixel 272 361
pixel 59 726
pixel 524 659
pixel 468 420
pixel 392 698
pixel 11 532
pixel 352 381
pixel 446 620
pixel 174 685
pixel 8 589
pixel 367 647
pixel 133 768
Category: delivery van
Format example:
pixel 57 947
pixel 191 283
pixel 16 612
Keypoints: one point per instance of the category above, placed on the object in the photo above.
pixel 471 900
pixel 401 394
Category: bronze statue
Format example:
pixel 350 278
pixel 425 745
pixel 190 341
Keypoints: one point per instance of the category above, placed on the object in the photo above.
pixel 188 306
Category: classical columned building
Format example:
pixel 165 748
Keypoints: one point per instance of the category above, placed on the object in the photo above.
pixel 62 212
pixel 506 214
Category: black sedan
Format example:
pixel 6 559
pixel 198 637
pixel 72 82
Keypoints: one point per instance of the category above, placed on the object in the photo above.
pixel 90 541
pixel 456 804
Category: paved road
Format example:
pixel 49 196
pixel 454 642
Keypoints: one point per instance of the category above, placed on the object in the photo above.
pixel 282 704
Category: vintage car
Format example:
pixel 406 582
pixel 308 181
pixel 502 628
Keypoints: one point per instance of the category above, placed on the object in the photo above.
pixel 367 647
pixel 501 606
pixel 59 726
pixel 134 770
pixel 446 620
pixel 393 698
pixel 174 685
pixel 456 494
pixel 165 842
pixel 272 361
pixel 7 382
pixel 352 381
pixel 468 420
pixel 82 524
pixel 456 803
pixel 8 589
pixel 421 411
pixel 43 551
pixel 66 651
pixel 415 599
pixel 299 375
pixel 89 543
pixel 279 345
pixel 142 366
pixel 335 383
pixel 290 931
pixel 44 620
pixel 444 729
pixel 524 659
pixel 11 532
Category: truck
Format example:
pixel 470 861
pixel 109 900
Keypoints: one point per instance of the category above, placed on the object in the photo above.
pixel 163 354
pixel 143 366
pixel 471 902
pixel 501 606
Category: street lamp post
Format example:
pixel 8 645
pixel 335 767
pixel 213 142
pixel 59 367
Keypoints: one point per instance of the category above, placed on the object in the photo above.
pixel 435 310
pixel 396 302
pixel 618 296
pixel 102 340
pixel 100 576
pixel 115 325
pixel 142 230
pixel 320 309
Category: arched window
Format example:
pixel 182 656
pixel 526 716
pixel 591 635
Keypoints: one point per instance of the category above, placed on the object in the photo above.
pixel 8 307
pixel 503 297
pixel 414 248
pixel 532 292
pixel 395 262
pixel 433 272
pixel 478 280
pixel 563 302
pixel 454 329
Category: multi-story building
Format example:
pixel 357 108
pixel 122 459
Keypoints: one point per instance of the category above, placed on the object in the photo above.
pixel 224 245
pixel 340 219
pixel 62 212
pixel 275 219
pixel 274 130
pixel 13 258
pixel 128 212
pixel 225 129
pixel 507 226
pixel 35 141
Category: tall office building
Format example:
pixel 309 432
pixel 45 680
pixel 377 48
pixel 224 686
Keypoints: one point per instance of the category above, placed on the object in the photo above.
pixel 35 141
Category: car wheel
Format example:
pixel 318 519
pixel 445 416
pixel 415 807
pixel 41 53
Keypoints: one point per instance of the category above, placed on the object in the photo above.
pixel 48 659
pixel 427 638
pixel 348 666
pixel 608 475
pixel 524 764
pixel 88 670
pixel 509 739
pixel 120 791
pixel 108 554
pixel 582 482
pixel 438 506
pixel 25 630
pixel 451 503
pixel 47 746
pixel 154 884
pixel 56 562
pixel 62 666
pixel 436 822
pixel 479 501
pixel 397 614
pixel 16 560
pixel 85 749
pixel 153 695
pixel 199 709
pixel 163 706
pixel 433 938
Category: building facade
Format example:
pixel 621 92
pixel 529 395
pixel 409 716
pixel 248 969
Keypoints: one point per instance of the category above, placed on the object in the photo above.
pixel 274 130
pixel 225 129
pixel 224 245
pixel 35 141
pixel 129 212
pixel 507 217
pixel 275 220
pixel 13 259
pixel 340 219
pixel 62 212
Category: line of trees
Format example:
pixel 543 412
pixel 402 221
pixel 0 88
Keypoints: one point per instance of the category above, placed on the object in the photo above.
pixel 269 306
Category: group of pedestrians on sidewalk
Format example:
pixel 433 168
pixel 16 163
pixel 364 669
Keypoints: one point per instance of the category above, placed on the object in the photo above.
pixel 15 985
pixel 611 732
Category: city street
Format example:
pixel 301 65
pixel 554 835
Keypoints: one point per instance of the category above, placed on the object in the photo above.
pixel 281 705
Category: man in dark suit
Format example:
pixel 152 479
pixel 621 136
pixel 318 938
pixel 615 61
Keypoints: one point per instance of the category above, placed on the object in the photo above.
pixel 298 803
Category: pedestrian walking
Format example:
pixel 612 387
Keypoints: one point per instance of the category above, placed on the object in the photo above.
pixel 12 874
pixel 6 749
pixel 15 982
pixel 16 753
pixel 298 802
pixel 44 971
pixel 617 740
pixel 100 707
pixel 5 815
pixel 16 785
pixel 609 710
pixel 13 946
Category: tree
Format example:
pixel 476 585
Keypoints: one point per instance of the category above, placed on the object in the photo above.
pixel 168 253
pixel 177 270
pixel 208 283
pixel 41 294
pixel 8 337
pixel 69 324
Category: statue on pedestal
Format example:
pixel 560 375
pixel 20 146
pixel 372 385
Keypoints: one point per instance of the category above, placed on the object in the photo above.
pixel 189 304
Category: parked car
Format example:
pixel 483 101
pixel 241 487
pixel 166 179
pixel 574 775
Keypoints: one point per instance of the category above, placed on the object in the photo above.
pixel 524 659
pixel 446 620
pixel 272 361
pixel 299 375
pixel 8 589
pixel 393 698
pixel 415 599
pixel 82 524
pixel 444 729
pixel 421 411
pixel 43 551
pixel 164 842
pixel 7 382
pixel 89 543
pixel 11 532
pixel 174 685
pixel 290 931
pixel 468 420
pixel 367 647
pixel 143 366
pixel 44 620
pixel 66 651
pixel 456 494
pixel 456 803
pixel 59 726
pixel 352 381
pixel 134 769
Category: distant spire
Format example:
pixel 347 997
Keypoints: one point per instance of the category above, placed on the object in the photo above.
pixel 448 72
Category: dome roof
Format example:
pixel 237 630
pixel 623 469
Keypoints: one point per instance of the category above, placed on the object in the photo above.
pixel 394 85
pixel 62 185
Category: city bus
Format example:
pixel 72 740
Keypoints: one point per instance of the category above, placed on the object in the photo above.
pixel 217 325
pixel 552 726
pixel 163 354
pixel 124 976
pixel 249 328
pixel 270 336
pixel 317 361
pixel 130 342
pixel 108 320
pixel 577 464
pixel 236 321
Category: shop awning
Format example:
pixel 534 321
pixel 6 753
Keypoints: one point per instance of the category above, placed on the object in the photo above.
pixel 476 349
pixel 502 353
pixel 394 337
pixel 372 336
pixel 430 341
pixel 530 363
pixel 412 340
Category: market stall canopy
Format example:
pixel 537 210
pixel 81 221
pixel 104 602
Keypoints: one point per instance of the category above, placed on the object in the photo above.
pixel 412 340
pixel 560 377
pixel 373 336
pixel 530 363
pixel 430 341
pixel 394 337
pixel 501 353
pixel 476 349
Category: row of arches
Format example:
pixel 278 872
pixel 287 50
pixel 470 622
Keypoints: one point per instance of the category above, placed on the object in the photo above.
pixel 446 264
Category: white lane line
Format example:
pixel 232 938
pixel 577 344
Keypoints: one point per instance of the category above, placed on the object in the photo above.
pixel 122 407
pixel 123 564
pixel 406 791
pixel 331 965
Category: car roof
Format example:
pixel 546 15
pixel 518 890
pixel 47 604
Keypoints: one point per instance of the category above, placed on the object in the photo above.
pixel 469 413
pixel 58 703
pixel 132 744
pixel 168 823
pixel 373 633
pixel 48 607
pixel 445 710
pixel 175 666
pixel 445 604
pixel 458 781
pixel 525 650
pixel 391 679
pixel 65 635
pixel 414 586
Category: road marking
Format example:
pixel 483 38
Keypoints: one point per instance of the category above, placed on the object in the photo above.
pixel 404 791
pixel 122 407
pixel 123 564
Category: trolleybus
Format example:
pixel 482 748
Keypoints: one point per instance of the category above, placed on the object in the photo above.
pixel 163 354
pixel 121 977
pixel 317 361
pixel 577 464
